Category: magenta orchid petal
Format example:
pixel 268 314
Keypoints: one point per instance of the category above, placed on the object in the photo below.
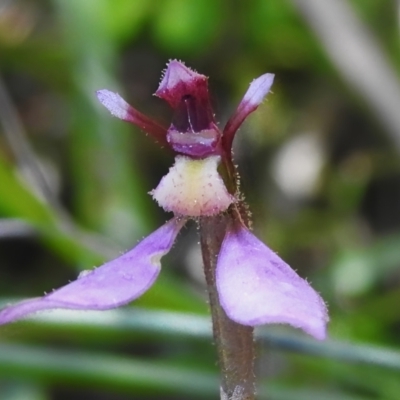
pixel 257 90
pixel 254 96
pixel 179 81
pixel 115 283
pixel 175 74
pixel 193 130
pixel 114 103
pixel 257 287
pixel 122 110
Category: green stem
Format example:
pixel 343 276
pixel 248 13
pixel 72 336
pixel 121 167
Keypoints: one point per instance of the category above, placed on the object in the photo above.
pixel 234 342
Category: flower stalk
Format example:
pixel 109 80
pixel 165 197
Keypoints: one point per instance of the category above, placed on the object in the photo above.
pixel 234 342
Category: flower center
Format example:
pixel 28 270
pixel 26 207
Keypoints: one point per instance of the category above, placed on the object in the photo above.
pixel 193 188
pixel 195 144
pixel 193 131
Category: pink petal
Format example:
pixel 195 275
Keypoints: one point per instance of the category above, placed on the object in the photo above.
pixel 113 284
pixel 180 81
pixel 254 96
pixel 257 287
pixel 177 73
pixel 122 110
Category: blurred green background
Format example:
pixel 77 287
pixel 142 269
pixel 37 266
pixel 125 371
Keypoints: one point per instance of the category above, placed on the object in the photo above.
pixel 320 169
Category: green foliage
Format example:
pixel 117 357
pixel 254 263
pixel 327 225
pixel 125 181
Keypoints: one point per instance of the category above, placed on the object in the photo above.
pixel 187 27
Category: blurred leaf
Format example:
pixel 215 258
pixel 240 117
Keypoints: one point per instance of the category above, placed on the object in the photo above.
pixel 356 270
pixel 20 390
pixel 17 201
pixel 170 293
pixel 121 20
pixel 123 375
pixel 277 31
pixel 102 371
pixel 108 192
pixel 187 26
pixel 157 325
pixel 368 380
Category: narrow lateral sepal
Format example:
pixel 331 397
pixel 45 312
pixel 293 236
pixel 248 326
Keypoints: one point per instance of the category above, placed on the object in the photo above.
pixel 254 96
pixel 119 108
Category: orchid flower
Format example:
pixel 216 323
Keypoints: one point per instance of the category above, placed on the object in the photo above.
pixel 255 286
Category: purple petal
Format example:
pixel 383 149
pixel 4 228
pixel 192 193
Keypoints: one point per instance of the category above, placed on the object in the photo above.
pixel 175 74
pixel 257 90
pixel 180 81
pixel 113 284
pixel 114 103
pixel 122 110
pixel 193 131
pixel 194 144
pixel 254 96
pixel 257 287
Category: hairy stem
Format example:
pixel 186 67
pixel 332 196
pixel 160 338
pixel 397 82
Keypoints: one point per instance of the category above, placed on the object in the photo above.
pixel 234 342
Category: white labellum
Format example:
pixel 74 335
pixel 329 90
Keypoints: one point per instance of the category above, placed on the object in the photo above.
pixel 193 188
